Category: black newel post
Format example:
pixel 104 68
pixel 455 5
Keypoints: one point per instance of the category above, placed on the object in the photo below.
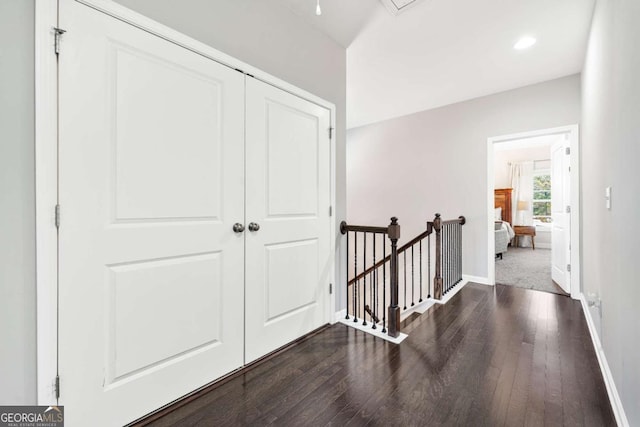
pixel 394 310
pixel 437 280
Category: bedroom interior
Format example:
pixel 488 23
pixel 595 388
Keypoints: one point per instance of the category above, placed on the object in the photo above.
pixel 523 189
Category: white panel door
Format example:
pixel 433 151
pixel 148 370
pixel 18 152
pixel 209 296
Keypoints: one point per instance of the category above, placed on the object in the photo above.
pixel 287 196
pixel 151 182
pixel 560 225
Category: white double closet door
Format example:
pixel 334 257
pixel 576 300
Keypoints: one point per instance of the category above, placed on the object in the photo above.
pixel 161 152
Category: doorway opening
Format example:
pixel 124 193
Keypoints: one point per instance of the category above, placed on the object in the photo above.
pixel 532 195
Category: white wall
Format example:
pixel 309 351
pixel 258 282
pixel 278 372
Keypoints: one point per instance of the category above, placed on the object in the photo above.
pixel 17 205
pixel 435 160
pixel 610 155
pixel 267 35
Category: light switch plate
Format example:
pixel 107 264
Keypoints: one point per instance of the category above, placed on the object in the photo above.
pixel 607 197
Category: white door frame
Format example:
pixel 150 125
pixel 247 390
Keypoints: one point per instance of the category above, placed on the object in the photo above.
pixel 574 143
pixel 46 159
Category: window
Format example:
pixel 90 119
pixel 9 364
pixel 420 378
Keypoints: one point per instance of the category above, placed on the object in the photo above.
pixel 542 196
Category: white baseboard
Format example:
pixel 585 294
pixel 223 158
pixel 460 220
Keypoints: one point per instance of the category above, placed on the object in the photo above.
pixel 375 332
pixel 446 297
pixel 476 279
pixel 339 315
pixel 612 391
pixel 421 307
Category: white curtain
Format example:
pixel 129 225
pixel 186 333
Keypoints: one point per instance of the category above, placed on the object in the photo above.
pixel 521 175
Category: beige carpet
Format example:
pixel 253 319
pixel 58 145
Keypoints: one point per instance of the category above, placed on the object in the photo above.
pixel 527 268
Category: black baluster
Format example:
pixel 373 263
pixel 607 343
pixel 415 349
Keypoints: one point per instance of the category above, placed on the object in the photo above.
pixel 355 274
pixel 404 256
pixel 449 271
pixel 374 286
pixel 454 261
pixel 420 258
pixel 446 258
pixel 451 258
pixel 445 232
pixel 412 279
pixel 460 251
pixel 429 266
pixel 364 280
pixel 384 283
pixel 457 251
pixel 375 305
pixel 454 265
pixel 346 301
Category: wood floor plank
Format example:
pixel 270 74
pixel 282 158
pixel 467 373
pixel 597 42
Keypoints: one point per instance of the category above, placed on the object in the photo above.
pixel 492 356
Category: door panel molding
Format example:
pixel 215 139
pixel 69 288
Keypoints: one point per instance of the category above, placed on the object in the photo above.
pixel 287 160
pixel 154 301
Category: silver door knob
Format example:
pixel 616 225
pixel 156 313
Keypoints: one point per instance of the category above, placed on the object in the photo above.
pixel 253 226
pixel 238 228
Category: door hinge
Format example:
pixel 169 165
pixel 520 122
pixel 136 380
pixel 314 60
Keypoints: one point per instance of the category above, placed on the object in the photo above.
pixel 57 386
pixel 567 150
pixel 330 210
pixel 58 32
pixel 330 132
pixel 330 288
pixel 568 209
pixel 57 216
pixel 569 268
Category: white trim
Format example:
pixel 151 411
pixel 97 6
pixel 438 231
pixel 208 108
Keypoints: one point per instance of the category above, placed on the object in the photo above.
pixel 375 332
pixel 420 308
pixel 612 391
pixel 334 239
pixel 574 138
pixel 46 166
pixel 446 297
pixel 339 315
pixel 477 279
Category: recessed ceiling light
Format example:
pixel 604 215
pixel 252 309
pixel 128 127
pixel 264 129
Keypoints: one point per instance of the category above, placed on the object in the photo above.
pixel 524 42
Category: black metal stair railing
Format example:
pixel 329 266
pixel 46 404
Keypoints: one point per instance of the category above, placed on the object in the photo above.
pixel 448 268
pixel 377 240
pixel 400 276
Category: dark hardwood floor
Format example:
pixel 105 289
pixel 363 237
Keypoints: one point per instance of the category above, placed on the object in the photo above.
pixel 492 356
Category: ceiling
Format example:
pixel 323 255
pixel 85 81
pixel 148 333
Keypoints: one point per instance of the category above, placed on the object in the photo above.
pixel 439 52
pixel 342 20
